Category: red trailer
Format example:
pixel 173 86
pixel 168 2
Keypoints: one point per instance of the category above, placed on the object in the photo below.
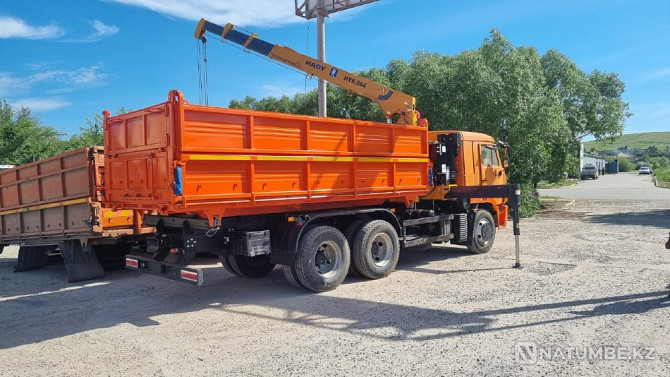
pixel 54 205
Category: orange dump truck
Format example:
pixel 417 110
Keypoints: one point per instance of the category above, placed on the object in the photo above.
pixel 320 196
pixel 54 205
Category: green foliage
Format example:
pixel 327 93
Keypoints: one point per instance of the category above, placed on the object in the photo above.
pixel 625 165
pixel 23 139
pixel 541 105
pixel 663 175
pixel 530 203
pixel 92 134
pixel 659 140
pixel 660 163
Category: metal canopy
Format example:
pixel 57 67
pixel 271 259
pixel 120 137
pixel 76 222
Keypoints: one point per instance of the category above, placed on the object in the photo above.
pixel 311 8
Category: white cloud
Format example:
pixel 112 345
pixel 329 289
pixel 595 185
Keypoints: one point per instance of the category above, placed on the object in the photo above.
pixel 102 30
pixel 10 85
pixel 16 28
pixel 238 12
pixel 52 81
pixel 41 104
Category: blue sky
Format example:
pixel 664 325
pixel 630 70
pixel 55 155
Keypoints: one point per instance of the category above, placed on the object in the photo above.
pixel 67 60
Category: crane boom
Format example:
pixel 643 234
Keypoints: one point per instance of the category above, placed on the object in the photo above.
pixel 392 102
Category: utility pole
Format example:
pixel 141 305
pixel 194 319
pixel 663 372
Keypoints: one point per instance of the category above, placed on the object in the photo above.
pixel 321 9
pixel 321 55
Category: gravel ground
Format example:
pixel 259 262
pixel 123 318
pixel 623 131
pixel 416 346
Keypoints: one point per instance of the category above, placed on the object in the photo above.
pixel 591 299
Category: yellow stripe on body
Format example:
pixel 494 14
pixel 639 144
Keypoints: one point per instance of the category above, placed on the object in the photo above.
pixel 216 157
pixel 45 206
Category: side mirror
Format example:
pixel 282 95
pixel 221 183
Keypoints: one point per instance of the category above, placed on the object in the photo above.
pixel 505 147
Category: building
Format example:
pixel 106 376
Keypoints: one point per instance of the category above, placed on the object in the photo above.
pixel 592 159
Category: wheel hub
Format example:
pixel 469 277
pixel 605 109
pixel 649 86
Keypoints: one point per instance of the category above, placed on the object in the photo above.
pixel 382 249
pixel 326 260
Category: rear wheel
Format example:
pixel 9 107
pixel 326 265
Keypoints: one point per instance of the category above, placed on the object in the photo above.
pixel 291 277
pixel 483 233
pixel 376 249
pixel 226 264
pixel 350 233
pixel 248 267
pixel 322 260
pixel 251 267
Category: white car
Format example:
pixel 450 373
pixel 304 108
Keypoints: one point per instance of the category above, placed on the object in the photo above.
pixel 645 170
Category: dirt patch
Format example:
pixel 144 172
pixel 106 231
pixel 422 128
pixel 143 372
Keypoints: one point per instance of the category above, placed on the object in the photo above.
pixel 594 275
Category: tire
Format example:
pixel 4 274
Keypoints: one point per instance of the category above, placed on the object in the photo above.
pixel 112 256
pixel 226 264
pixel 251 267
pixel 291 277
pixel 483 233
pixel 376 249
pixel 350 233
pixel 322 260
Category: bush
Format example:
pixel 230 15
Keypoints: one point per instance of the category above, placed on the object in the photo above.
pixel 530 203
pixel 625 165
pixel 662 175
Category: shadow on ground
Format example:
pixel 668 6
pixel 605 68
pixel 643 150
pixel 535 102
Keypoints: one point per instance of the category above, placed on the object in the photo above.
pixel 659 218
pixel 127 297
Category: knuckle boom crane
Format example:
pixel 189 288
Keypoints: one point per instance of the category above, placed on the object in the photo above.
pixel 392 102
pixel 319 196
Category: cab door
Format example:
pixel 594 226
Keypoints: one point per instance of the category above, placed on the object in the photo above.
pixel 492 171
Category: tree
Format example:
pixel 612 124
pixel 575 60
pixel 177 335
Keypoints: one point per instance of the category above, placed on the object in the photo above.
pixel 541 105
pixel 23 139
pixel 92 133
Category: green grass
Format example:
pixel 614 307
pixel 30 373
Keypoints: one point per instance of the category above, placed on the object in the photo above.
pixel 662 177
pixel 565 182
pixel 634 141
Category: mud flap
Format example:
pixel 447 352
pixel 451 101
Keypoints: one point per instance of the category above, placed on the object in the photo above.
pixel 81 263
pixel 32 257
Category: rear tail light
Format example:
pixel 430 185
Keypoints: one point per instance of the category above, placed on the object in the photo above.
pixel 132 263
pixel 188 275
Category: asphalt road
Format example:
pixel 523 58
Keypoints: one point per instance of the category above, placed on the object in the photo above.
pixel 622 186
pixel 590 300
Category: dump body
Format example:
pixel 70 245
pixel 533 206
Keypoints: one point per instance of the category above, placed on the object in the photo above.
pixel 57 199
pixel 178 158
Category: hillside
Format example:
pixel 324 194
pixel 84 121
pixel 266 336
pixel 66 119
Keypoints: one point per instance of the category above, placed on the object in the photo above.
pixel 634 141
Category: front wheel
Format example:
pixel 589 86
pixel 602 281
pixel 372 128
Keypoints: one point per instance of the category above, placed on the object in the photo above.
pixel 322 260
pixel 483 233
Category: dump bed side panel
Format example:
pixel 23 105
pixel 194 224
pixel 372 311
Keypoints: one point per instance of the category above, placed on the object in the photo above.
pixel 57 198
pixel 138 162
pixel 225 162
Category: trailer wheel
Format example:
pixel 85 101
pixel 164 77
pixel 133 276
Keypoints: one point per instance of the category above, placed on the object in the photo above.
pixel 350 233
pixel 251 267
pixel 483 233
pixel 376 249
pixel 322 260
